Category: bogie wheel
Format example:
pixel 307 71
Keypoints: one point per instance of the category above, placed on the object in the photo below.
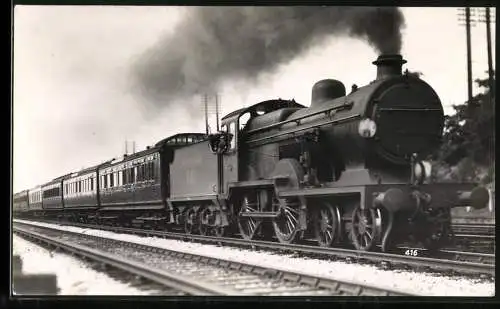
pixel 286 225
pixel 190 221
pixel 248 226
pixel 204 228
pixel 326 224
pixel 365 228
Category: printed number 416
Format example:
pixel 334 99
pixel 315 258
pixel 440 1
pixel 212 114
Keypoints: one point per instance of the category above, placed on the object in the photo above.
pixel 411 252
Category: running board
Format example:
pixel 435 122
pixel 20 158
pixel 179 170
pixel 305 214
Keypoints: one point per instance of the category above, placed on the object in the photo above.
pixel 259 214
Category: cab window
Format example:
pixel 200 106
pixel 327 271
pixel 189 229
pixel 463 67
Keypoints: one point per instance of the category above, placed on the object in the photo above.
pixel 232 131
pixel 244 120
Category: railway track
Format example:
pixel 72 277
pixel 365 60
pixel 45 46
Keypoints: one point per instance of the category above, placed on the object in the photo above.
pixel 468 229
pixel 447 261
pixel 474 236
pixel 192 274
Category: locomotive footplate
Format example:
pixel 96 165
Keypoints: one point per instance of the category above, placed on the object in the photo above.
pixel 152 218
pixel 324 191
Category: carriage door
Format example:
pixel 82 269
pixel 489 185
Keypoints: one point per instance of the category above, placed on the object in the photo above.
pixel 228 161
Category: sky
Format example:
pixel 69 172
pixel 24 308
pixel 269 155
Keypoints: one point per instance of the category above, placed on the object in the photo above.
pixel 73 106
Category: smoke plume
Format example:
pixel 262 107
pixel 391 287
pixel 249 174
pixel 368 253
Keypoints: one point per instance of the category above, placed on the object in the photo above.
pixel 215 44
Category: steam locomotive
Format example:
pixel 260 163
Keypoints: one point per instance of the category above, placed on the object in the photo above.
pixel 348 170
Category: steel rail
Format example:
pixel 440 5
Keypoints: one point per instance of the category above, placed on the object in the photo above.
pixel 166 279
pixel 441 264
pixel 337 287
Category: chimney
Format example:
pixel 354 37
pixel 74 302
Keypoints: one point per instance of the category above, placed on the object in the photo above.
pixel 389 66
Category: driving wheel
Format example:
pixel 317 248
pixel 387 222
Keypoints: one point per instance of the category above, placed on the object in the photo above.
pixel 326 224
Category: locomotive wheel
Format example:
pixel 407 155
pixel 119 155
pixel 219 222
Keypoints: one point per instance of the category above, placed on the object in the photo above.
pixel 286 225
pixel 365 228
pixel 288 174
pixel 190 221
pixel 248 226
pixel 326 224
pixel 204 228
pixel 219 231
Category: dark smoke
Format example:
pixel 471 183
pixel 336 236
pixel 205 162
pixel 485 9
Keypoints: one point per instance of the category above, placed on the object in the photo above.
pixel 215 44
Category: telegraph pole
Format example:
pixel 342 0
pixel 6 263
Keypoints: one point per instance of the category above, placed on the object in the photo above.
pixel 217 110
pixel 467 16
pixel 205 101
pixel 469 56
pixel 488 42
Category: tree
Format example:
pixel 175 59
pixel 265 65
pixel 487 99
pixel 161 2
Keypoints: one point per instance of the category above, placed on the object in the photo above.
pixel 469 135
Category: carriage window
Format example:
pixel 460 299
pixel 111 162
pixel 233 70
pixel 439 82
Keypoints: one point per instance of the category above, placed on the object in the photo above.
pixel 152 172
pixel 189 139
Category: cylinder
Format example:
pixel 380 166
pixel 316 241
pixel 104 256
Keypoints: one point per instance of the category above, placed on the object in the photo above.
pixel 477 198
pixel 394 200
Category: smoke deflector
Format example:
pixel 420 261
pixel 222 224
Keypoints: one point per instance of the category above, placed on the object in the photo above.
pixel 389 66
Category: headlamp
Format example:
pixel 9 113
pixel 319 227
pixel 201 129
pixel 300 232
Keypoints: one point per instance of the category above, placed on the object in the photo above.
pixel 367 128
